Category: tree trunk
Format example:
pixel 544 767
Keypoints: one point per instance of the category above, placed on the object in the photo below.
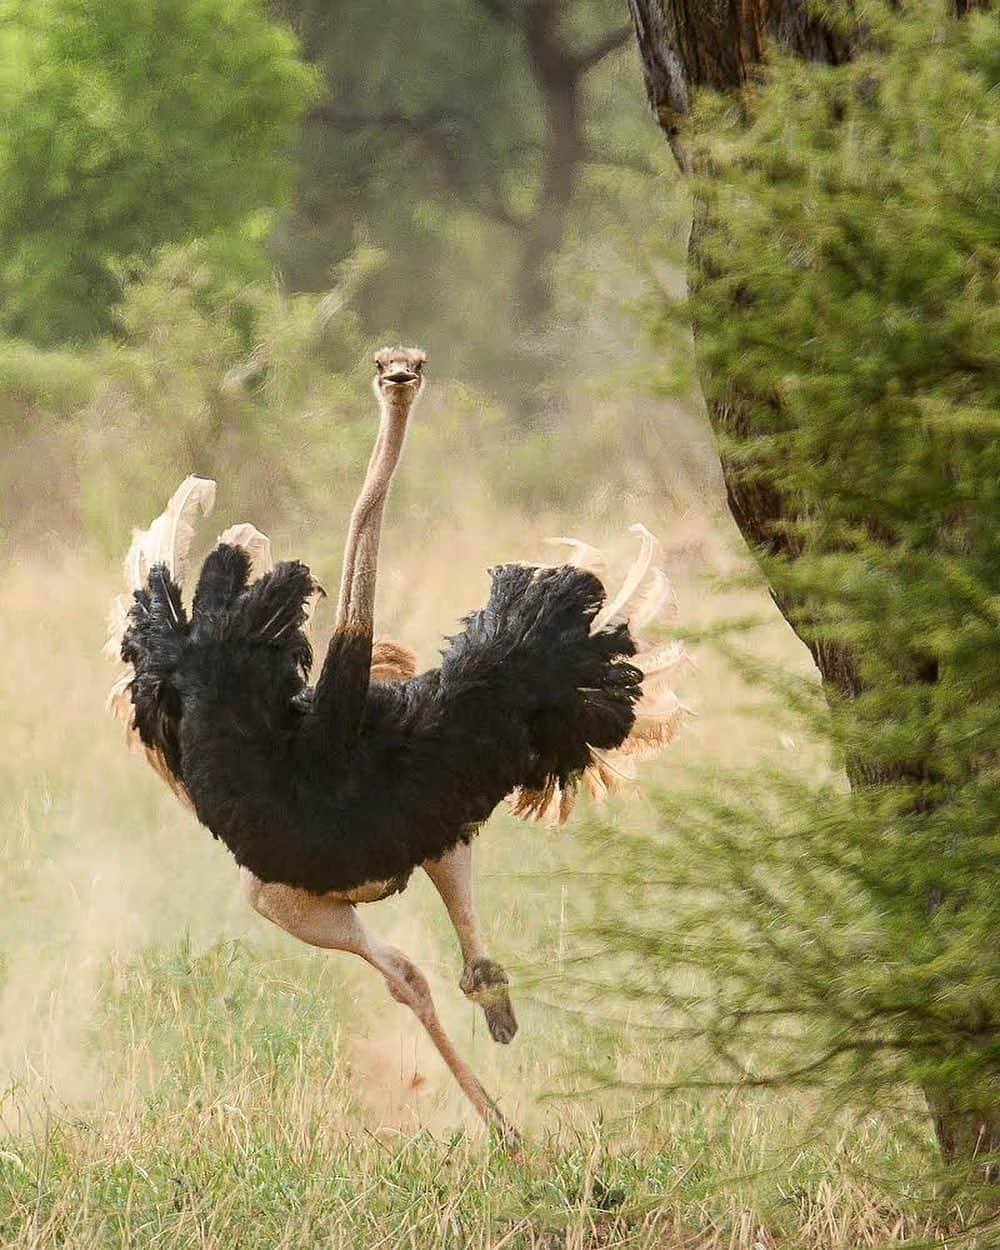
pixel 558 71
pixel 557 74
pixel 963 1135
pixel 683 45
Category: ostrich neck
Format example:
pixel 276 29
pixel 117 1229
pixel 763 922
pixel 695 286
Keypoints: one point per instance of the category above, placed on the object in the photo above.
pixel 356 607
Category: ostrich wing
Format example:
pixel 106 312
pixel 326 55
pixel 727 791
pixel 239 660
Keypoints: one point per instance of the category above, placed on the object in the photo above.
pixel 167 542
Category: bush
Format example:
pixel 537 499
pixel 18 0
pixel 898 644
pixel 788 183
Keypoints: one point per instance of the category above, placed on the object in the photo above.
pixel 129 126
pixel 847 318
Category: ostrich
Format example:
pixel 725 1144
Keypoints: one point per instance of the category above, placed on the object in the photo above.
pixel 329 795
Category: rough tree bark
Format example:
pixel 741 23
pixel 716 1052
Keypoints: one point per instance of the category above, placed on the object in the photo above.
pixel 684 45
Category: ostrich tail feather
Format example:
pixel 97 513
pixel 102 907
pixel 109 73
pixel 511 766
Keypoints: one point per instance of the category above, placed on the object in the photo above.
pixel 392 661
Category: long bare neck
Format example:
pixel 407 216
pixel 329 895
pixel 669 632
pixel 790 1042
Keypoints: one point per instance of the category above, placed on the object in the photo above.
pixel 356 608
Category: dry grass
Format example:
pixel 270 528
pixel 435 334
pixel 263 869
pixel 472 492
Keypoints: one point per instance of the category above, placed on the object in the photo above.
pixel 176 1074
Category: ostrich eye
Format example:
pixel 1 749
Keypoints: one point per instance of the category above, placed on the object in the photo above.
pixel 419 366
pixel 379 365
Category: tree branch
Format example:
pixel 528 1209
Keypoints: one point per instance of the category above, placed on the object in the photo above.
pixel 604 47
pixel 424 128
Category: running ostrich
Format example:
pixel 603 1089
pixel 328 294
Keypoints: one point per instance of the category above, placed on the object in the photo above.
pixel 329 795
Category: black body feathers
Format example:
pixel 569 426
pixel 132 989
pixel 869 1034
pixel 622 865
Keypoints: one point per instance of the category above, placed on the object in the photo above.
pixel 351 781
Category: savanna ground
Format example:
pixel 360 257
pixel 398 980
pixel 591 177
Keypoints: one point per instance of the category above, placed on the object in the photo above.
pixel 176 1073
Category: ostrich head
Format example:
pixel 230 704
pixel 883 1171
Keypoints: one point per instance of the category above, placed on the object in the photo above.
pixel 399 376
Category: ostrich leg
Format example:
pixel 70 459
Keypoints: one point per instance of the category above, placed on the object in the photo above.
pixel 331 923
pixel 484 981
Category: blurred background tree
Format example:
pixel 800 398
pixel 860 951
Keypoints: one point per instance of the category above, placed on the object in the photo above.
pixel 473 143
pixel 844 274
pixel 126 127
pixel 478 168
pixel 488 150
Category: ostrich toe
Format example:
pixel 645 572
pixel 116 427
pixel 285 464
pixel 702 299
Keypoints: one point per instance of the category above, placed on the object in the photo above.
pixel 485 983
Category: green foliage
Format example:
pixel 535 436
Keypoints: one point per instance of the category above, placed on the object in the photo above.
pixel 128 126
pixel 261 390
pixel 269 392
pixel 848 316
pixel 133 127
pixel 47 381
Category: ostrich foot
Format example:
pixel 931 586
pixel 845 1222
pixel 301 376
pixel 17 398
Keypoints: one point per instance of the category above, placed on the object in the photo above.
pixel 485 983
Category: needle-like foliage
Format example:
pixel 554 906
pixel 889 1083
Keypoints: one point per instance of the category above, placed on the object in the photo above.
pixel 846 313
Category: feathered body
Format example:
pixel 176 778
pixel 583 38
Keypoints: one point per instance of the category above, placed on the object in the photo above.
pixel 330 786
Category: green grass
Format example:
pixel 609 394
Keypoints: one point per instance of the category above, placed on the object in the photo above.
pixel 174 1073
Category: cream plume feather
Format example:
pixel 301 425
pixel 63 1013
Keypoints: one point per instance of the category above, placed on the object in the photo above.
pixel 254 543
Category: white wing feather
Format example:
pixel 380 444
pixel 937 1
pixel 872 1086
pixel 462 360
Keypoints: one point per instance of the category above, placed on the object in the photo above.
pixel 167 541
pixel 583 556
pixel 619 607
